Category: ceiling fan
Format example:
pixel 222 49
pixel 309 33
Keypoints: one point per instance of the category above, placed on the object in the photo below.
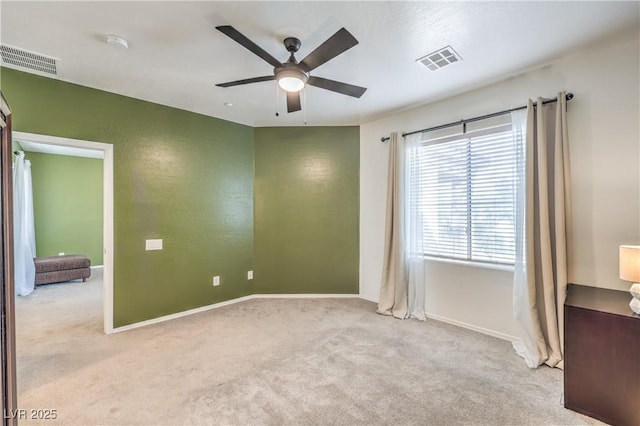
pixel 293 76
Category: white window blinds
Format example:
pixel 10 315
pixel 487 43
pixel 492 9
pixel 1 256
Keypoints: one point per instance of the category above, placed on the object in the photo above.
pixel 465 193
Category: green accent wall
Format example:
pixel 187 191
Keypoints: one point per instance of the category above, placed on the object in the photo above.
pixel 306 209
pixel 67 205
pixel 180 176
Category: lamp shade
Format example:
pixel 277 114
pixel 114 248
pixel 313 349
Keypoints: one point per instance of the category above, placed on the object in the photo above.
pixel 630 263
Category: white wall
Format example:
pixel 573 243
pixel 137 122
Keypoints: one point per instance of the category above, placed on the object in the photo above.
pixel 604 136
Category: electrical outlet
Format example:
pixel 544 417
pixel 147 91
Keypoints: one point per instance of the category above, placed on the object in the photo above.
pixel 216 280
pixel 60 254
pixel 249 275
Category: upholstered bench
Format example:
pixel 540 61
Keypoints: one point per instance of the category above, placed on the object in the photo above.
pixel 55 269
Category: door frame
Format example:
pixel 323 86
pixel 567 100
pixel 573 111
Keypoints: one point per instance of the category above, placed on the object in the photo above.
pixel 8 391
pixel 107 215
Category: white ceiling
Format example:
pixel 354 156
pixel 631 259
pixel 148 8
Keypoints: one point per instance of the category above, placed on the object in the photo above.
pixel 176 55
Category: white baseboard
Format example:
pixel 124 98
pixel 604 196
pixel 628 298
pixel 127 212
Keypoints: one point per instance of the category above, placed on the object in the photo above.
pixel 472 327
pixel 97 267
pixel 304 296
pixel 226 303
pixel 180 314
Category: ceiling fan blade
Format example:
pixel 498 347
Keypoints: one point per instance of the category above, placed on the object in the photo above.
pixel 332 47
pixel 337 86
pixel 293 102
pixel 234 34
pixel 247 81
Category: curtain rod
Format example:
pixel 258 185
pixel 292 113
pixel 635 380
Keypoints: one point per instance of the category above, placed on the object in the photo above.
pixel 471 120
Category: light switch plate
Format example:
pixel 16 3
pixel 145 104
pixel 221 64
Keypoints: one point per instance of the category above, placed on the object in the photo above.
pixel 153 245
pixel 216 280
pixel 249 275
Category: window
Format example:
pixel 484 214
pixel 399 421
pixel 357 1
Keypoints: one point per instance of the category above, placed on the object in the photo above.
pixel 464 186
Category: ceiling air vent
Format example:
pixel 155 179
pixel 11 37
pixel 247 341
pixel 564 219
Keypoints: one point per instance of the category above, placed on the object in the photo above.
pixel 28 60
pixel 440 58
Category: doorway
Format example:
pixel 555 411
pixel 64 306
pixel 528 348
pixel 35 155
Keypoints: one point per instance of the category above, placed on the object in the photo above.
pixel 106 152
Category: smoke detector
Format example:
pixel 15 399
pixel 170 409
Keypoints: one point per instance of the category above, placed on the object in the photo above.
pixel 16 57
pixel 440 58
pixel 117 41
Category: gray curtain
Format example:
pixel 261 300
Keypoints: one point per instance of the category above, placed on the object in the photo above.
pixel 544 224
pixel 393 288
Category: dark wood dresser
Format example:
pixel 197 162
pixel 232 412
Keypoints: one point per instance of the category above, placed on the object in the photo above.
pixel 602 355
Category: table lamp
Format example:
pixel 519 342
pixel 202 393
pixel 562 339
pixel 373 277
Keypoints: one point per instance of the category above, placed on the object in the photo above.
pixel 630 271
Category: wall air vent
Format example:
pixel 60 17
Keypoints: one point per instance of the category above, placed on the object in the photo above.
pixel 28 60
pixel 440 58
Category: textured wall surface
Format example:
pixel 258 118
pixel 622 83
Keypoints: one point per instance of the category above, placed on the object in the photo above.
pixel 67 204
pixel 179 176
pixel 306 210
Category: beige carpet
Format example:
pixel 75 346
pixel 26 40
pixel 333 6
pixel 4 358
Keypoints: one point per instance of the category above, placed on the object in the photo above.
pixel 272 361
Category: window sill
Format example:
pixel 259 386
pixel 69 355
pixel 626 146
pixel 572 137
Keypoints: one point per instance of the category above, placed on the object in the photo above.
pixel 472 264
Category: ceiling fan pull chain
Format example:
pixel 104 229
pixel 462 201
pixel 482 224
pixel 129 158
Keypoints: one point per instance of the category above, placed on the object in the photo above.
pixel 277 99
pixel 304 107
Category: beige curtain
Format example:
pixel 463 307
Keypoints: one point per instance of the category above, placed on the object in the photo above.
pixel 393 288
pixel 540 279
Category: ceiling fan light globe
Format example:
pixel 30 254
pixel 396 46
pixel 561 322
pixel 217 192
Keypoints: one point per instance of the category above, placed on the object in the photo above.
pixel 291 84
